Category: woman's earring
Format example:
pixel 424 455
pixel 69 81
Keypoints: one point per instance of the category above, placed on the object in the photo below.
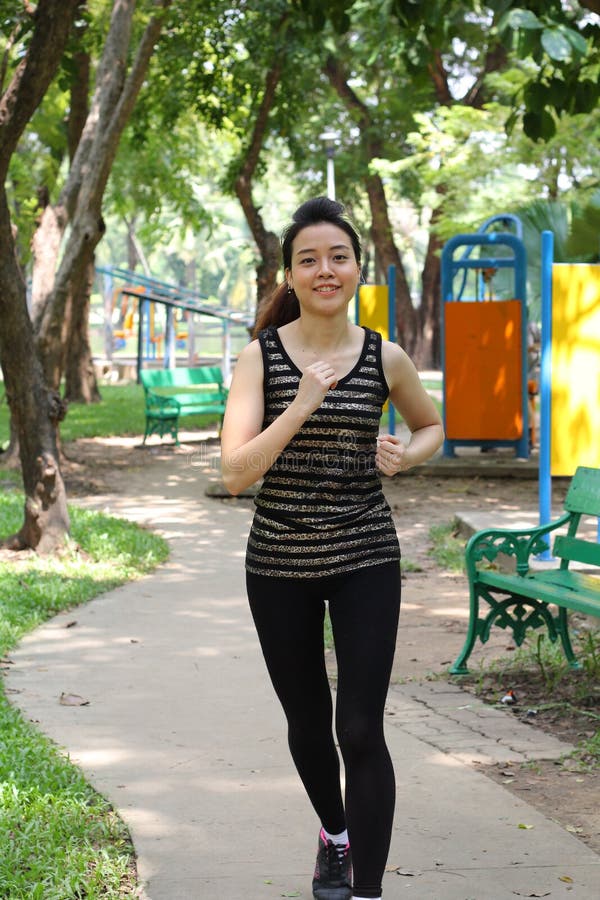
pixel 289 290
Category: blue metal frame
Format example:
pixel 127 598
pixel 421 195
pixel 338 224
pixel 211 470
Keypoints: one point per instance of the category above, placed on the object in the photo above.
pixel 392 335
pixel 545 476
pixel 450 268
pixel 391 286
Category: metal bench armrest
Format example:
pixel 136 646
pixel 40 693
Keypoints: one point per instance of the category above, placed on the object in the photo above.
pixel 522 543
pixel 161 401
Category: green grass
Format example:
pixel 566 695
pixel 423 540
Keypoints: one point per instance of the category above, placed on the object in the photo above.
pixel 432 385
pixel 121 411
pixel 447 548
pixel 59 839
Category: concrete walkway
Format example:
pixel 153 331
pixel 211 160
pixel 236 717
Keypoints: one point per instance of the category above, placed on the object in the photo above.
pixel 183 734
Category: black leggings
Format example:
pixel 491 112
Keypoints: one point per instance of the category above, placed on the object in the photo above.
pixel 364 608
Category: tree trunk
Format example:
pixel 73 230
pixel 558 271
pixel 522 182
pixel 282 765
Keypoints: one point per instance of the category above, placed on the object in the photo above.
pixel 382 233
pixel 388 255
pixel 80 87
pixel 268 268
pixel 81 385
pixel 35 411
pixel 428 351
pixel 80 203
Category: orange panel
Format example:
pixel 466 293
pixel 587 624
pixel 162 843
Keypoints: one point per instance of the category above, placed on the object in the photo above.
pixel 483 370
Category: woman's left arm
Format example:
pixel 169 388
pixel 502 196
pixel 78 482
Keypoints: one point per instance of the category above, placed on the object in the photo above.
pixel 417 409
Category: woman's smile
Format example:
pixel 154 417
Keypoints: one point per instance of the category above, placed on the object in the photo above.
pixel 326 288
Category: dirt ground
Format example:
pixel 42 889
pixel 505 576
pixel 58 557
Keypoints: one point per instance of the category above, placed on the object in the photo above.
pixel 434 617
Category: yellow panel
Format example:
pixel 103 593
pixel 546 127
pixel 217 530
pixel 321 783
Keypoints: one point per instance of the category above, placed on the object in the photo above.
pixel 373 308
pixel 575 438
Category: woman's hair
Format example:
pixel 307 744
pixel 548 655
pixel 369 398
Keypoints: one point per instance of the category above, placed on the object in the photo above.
pixel 282 306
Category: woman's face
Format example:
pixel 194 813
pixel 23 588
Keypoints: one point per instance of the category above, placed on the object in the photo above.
pixel 324 272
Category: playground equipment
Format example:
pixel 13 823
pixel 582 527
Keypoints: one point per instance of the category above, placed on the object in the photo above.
pixel 376 309
pixel 569 371
pixel 179 303
pixel 484 340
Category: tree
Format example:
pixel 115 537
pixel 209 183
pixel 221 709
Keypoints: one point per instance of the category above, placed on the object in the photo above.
pixel 61 306
pixel 381 228
pixel 455 49
pixel 41 37
pixel 560 40
pixel 241 89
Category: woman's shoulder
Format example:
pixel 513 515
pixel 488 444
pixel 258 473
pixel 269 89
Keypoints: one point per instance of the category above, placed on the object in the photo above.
pixel 250 357
pixel 393 352
pixel 396 362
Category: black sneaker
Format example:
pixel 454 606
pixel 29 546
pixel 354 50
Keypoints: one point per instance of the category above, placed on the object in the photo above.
pixel 333 871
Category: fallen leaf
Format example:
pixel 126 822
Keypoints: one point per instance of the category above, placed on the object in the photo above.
pixel 71 624
pixel 566 878
pixel 526 827
pixel 73 700
pixel 533 894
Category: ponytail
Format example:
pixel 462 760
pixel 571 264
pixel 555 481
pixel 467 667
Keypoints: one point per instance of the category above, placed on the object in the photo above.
pixel 280 308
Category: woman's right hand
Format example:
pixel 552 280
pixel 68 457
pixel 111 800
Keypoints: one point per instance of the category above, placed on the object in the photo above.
pixel 317 379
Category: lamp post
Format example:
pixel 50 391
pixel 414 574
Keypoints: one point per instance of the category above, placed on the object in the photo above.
pixel 330 138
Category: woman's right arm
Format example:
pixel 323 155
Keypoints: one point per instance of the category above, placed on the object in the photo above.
pixel 247 452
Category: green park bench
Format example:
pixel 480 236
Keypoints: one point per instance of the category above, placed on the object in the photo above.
pixel 174 393
pixel 528 597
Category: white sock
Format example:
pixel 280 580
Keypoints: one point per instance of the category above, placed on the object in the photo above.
pixel 341 838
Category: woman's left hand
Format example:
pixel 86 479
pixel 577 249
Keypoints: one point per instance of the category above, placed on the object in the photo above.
pixel 392 455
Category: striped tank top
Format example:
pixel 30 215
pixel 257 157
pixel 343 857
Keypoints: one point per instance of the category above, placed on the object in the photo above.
pixel 321 510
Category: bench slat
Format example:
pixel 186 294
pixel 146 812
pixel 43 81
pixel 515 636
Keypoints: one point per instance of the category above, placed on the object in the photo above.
pixel 577 550
pixel 583 495
pixel 573 590
pixel 157 378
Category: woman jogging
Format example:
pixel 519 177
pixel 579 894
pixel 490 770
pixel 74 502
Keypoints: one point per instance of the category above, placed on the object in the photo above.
pixel 303 415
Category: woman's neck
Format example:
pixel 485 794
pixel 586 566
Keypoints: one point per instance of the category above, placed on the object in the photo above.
pixel 320 334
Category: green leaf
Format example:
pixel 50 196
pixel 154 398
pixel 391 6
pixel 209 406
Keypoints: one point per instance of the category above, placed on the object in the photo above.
pixel 576 39
pixel 539 126
pixel 535 95
pixel 523 18
pixel 558 93
pixel 587 94
pixel 556 45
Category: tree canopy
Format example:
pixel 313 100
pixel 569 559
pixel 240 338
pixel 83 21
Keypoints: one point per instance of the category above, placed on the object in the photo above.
pixel 181 135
